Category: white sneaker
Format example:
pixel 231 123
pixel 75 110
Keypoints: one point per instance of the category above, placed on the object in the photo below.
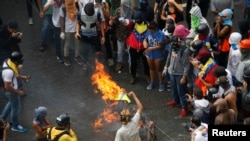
pixel 31 21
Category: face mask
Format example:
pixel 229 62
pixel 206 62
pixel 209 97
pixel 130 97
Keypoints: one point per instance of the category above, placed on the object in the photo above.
pixel 195 22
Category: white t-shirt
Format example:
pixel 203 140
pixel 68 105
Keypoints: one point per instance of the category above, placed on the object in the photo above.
pixel 201 133
pixel 70 26
pixel 129 132
pixel 8 74
pixel 55 14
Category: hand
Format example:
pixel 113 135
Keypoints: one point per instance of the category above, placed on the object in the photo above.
pixel 200 75
pixel 189 97
pixel 165 71
pixel 15 34
pixel 62 35
pixel 183 80
pixel 102 40
pixel 41 14
pixel 131 94
pixel 244 84
pixel 21 92
pixel 77 36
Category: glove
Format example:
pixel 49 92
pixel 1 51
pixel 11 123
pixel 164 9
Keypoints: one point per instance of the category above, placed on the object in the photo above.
pixel 164 72
pixel 62 35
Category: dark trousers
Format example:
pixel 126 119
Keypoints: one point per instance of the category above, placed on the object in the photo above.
pixel 30 7
pixel 134 56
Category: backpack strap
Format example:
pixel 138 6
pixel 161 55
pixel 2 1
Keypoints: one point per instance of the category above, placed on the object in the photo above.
pixel 57 136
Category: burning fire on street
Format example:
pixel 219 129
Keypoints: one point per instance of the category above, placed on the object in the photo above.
pixel 111 94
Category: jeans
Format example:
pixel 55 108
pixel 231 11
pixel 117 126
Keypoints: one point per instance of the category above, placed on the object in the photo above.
pixel 47 28
pixel 12 107
pixel 178 90
pixel 58 41
pixel 71 41
pixel 120 50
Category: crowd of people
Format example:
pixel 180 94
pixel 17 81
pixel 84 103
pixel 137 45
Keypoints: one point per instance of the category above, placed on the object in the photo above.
pixel 206 66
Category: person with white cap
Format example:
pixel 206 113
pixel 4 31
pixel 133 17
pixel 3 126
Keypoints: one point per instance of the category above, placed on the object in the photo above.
pixel 40 124
pixel 234 54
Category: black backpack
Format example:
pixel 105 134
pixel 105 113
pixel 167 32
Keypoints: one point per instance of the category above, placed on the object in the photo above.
pixel 57 136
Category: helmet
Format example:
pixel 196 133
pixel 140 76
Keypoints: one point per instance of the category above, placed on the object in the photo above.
pixel 63 119
pixel 16 57
pixel 197 45
pixel 89 9
pixel 41 111
pixel 202 29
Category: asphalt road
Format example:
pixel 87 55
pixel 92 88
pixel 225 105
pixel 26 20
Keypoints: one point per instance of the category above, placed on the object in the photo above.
pixel 69 89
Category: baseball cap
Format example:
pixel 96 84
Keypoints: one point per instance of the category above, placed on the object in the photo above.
pixel 181 31
pixel 41 111
pixel 226 13
pixel 12 24
pixel 203 53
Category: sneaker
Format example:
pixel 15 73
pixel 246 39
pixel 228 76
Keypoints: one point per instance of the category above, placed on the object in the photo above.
pixel 19 128
pixel 59 59
pixel 118 67
pixel 78 60
pixel 110 62
pixel 171 103
pixel 161 87
pixel 183 113
pixel 150 86
pixel 31 21
pixel 66 61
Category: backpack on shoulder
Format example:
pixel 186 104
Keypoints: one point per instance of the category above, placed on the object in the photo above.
pixel 57 136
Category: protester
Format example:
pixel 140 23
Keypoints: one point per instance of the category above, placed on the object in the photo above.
pixel 13 92
pixel 246 93
pixel 154 44
pixel 129 130
pixel 63 131
pixel 4 129
pixel 68 28
pixel 173 9
pixel 136 49
pixel 30 6
pixel 57 5
pixel 222 30
pixel 10 37
pixel 40 124
pixel 199 130
pixel 178 66
pixel 47 28
pixel 225 115
pixel 88 32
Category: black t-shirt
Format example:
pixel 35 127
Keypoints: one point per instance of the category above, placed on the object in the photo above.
pixel 178 14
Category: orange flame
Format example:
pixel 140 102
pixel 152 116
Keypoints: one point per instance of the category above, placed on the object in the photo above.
pixel 110 91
